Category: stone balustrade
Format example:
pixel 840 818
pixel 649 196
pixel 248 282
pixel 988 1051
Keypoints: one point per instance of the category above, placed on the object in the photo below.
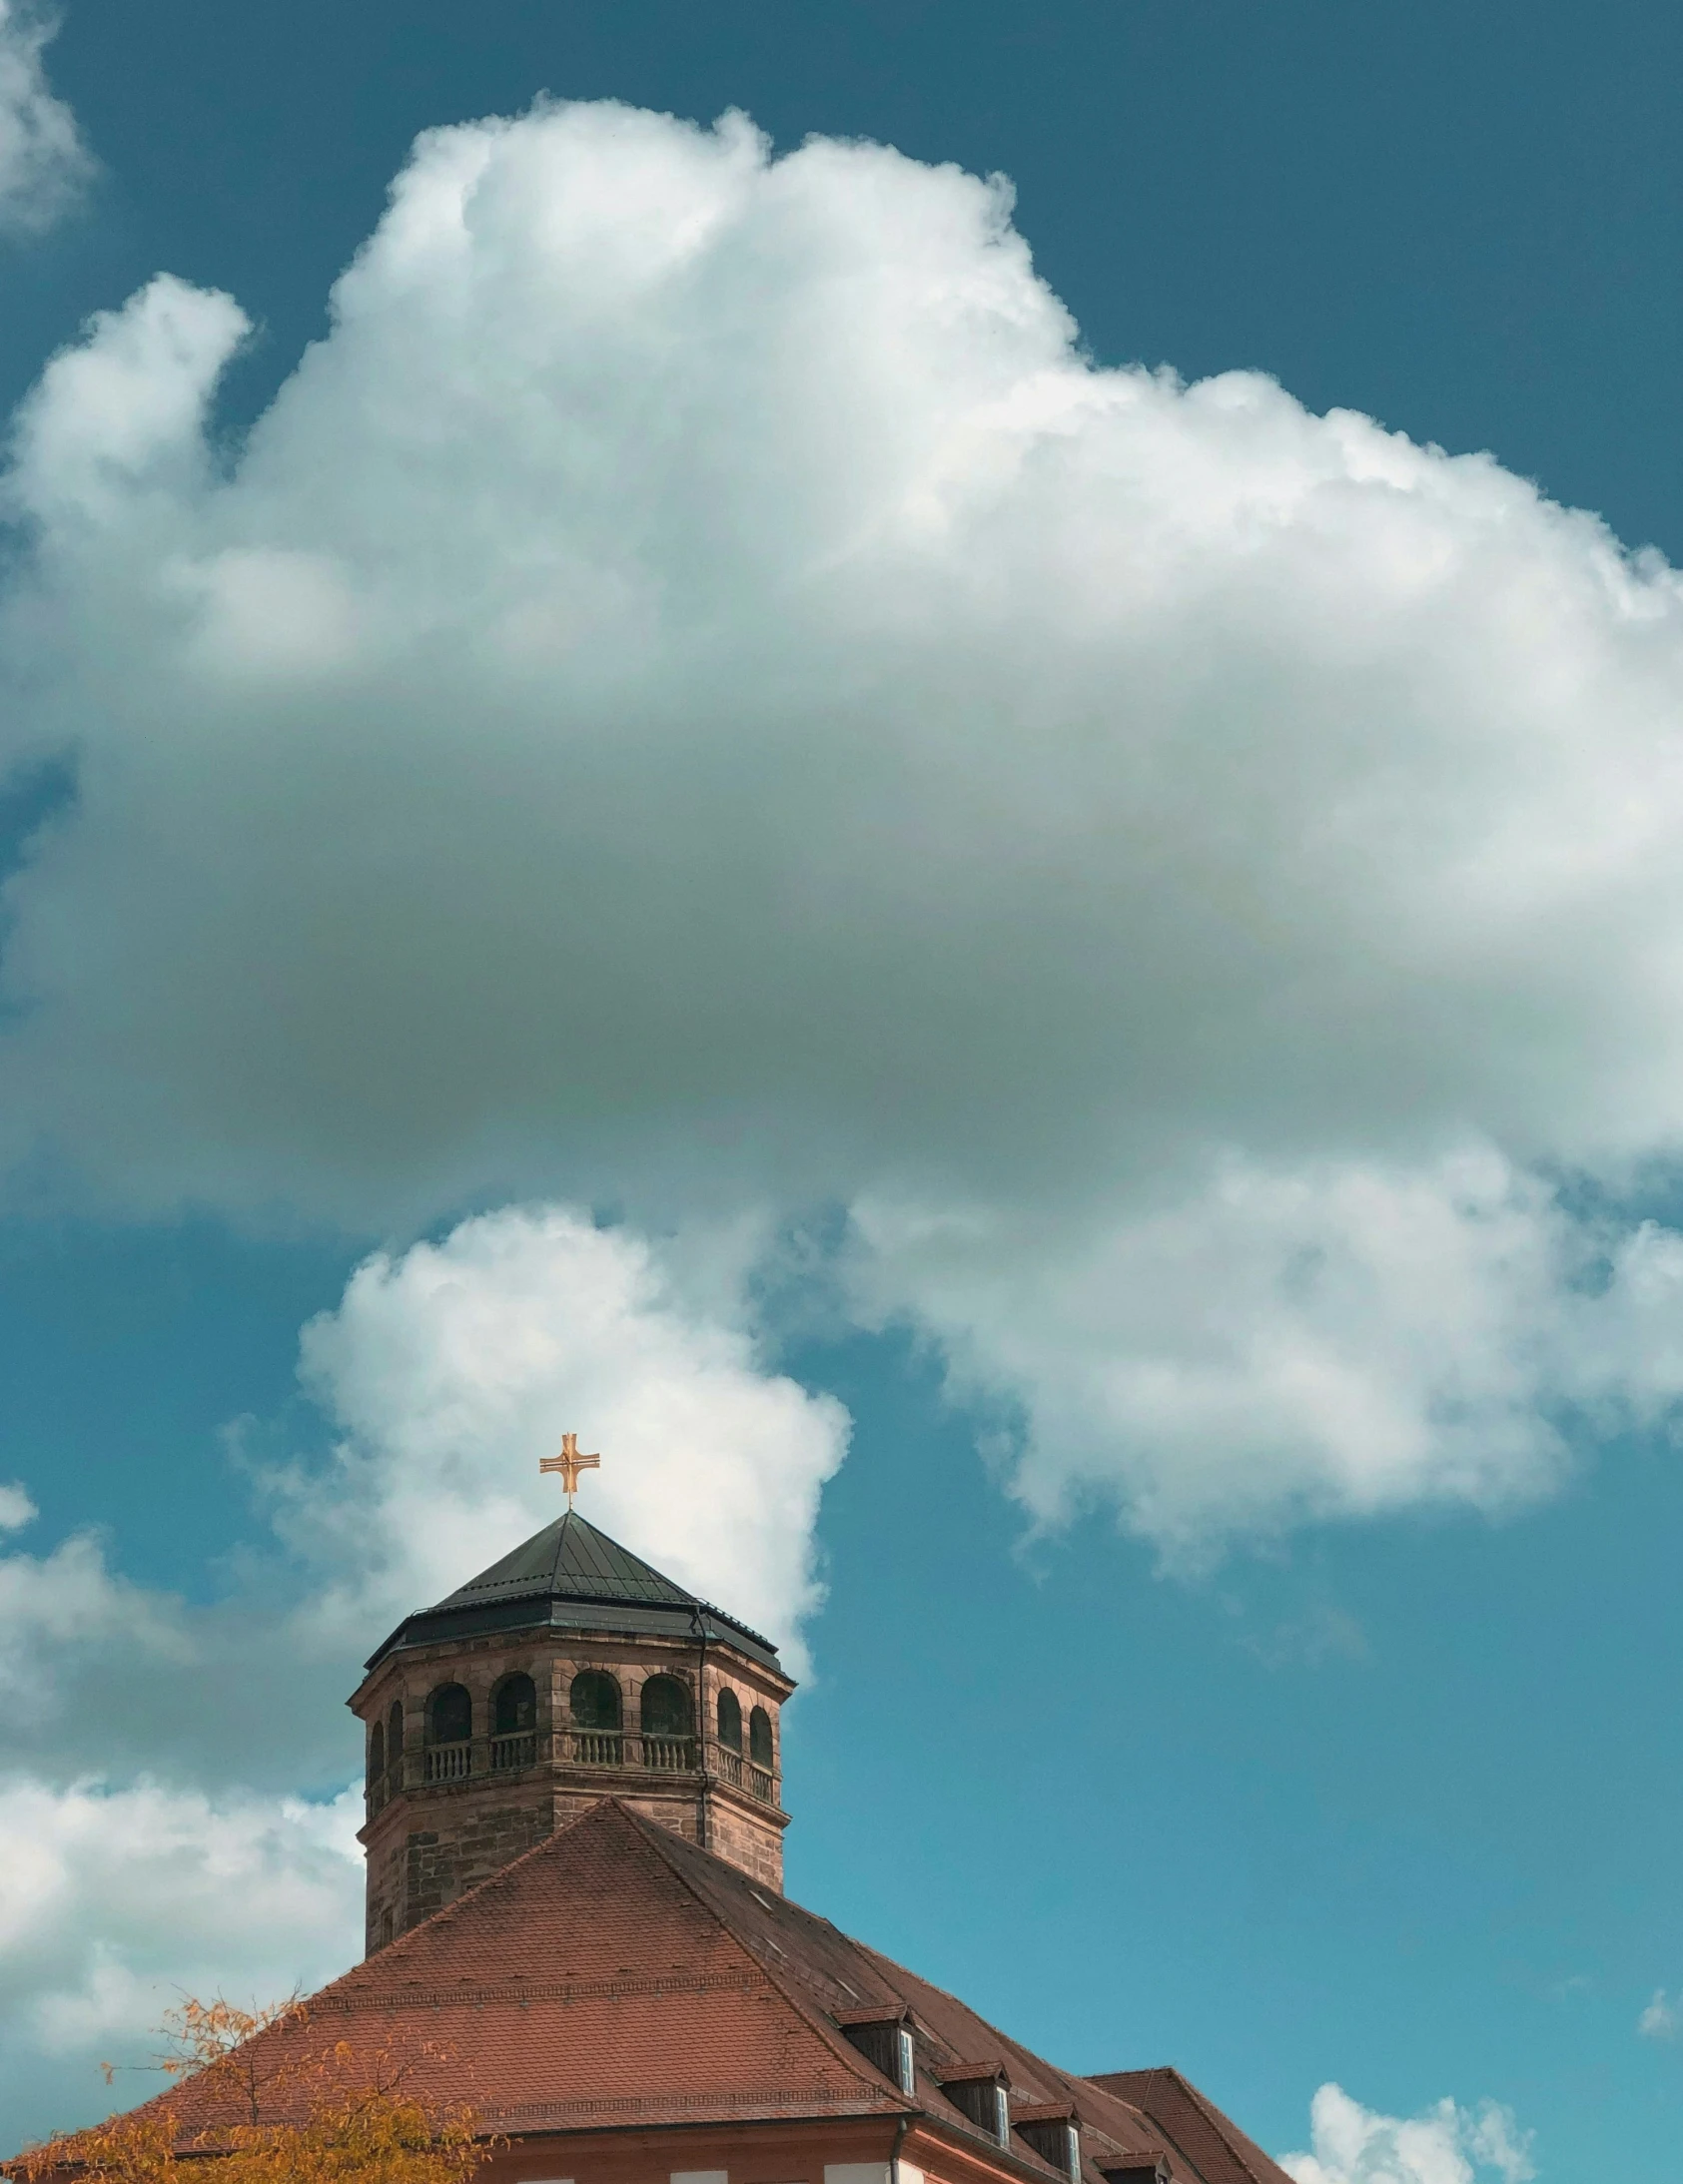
pixel 589 1748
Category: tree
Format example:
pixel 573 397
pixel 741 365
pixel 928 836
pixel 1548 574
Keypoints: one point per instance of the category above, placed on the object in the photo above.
pixel 269 2103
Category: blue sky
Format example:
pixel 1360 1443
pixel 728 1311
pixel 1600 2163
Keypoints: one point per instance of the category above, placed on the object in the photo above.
pixel 1043 996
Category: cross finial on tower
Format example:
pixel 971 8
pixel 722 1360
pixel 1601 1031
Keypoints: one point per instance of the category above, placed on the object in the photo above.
pixel 569 1463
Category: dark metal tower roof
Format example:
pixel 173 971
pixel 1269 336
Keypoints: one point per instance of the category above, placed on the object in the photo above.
pixel 569 1576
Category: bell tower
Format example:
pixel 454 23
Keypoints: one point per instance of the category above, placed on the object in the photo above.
pixel 567 1671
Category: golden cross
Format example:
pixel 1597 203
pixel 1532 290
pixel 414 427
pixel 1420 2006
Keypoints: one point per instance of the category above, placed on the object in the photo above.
pixel 569 1464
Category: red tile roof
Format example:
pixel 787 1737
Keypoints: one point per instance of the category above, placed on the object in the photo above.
pixel 583 1983
pixel 616 1974
pixel 1191 2121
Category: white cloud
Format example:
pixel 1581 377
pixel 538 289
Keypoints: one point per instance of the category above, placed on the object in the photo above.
pixel 699 694
pixel 61 1609
pixel 42 161
pixel 1660 2020
pixel 16 1507
pixel 116 1900
pixel 952 760
pixel 454 1366
pixel 1448 2145
pixel 1321 1341
pixel 112 429
pixel 101 1674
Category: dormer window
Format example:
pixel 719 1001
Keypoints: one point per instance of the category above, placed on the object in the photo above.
pixel 884 2039
pixel 1052 2130
pixel 980 2091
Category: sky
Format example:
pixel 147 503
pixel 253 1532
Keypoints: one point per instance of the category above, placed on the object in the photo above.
pixel 925 762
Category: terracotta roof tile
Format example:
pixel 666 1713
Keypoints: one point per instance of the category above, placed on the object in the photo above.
pixel 1191 2121
pixel 583 1980
pixel 618 1974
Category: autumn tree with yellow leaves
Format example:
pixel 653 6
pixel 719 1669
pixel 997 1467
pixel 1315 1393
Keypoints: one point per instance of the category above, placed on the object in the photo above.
pixel 278 2111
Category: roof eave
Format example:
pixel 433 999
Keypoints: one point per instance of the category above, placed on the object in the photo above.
pixel 699 1622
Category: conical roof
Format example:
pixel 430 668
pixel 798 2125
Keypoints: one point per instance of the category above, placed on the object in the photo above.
pixel 569 1576
pixel 572 1560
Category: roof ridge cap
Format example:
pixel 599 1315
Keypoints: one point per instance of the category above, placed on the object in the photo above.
pixel 812 2015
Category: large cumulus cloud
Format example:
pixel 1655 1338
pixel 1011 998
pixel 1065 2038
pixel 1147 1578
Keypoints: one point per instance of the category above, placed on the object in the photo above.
pixel 698 692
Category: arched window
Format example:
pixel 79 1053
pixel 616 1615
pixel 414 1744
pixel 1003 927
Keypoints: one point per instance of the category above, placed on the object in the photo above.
pixel 376 1753
pixel 759 1737
pixel 450 1715
pixel 730 1720
pixel 394 1736
pixel 666 1707
pixel 516 1709
pixel 596 1701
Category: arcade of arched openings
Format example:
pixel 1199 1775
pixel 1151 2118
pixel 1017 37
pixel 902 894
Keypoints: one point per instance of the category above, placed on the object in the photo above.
pixel 595 1727
pixel 756 1776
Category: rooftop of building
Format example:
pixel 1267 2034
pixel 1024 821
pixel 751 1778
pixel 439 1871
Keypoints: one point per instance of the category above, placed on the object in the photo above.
pixel 569 1576
pixel 619 1975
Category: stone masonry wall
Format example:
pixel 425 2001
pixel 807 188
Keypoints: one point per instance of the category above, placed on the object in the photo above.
pixel 430 1842
pixel 441 1863
pixel 747 1841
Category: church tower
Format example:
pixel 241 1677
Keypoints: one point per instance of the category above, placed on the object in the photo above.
pixel 567 1671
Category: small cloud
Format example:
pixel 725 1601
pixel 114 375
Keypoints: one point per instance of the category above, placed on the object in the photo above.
pixel 43 162
pixel 1449 2144
pixel 1660 2020
pixel 1496 2142
pixel 16 1507
pixel 1325 1634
